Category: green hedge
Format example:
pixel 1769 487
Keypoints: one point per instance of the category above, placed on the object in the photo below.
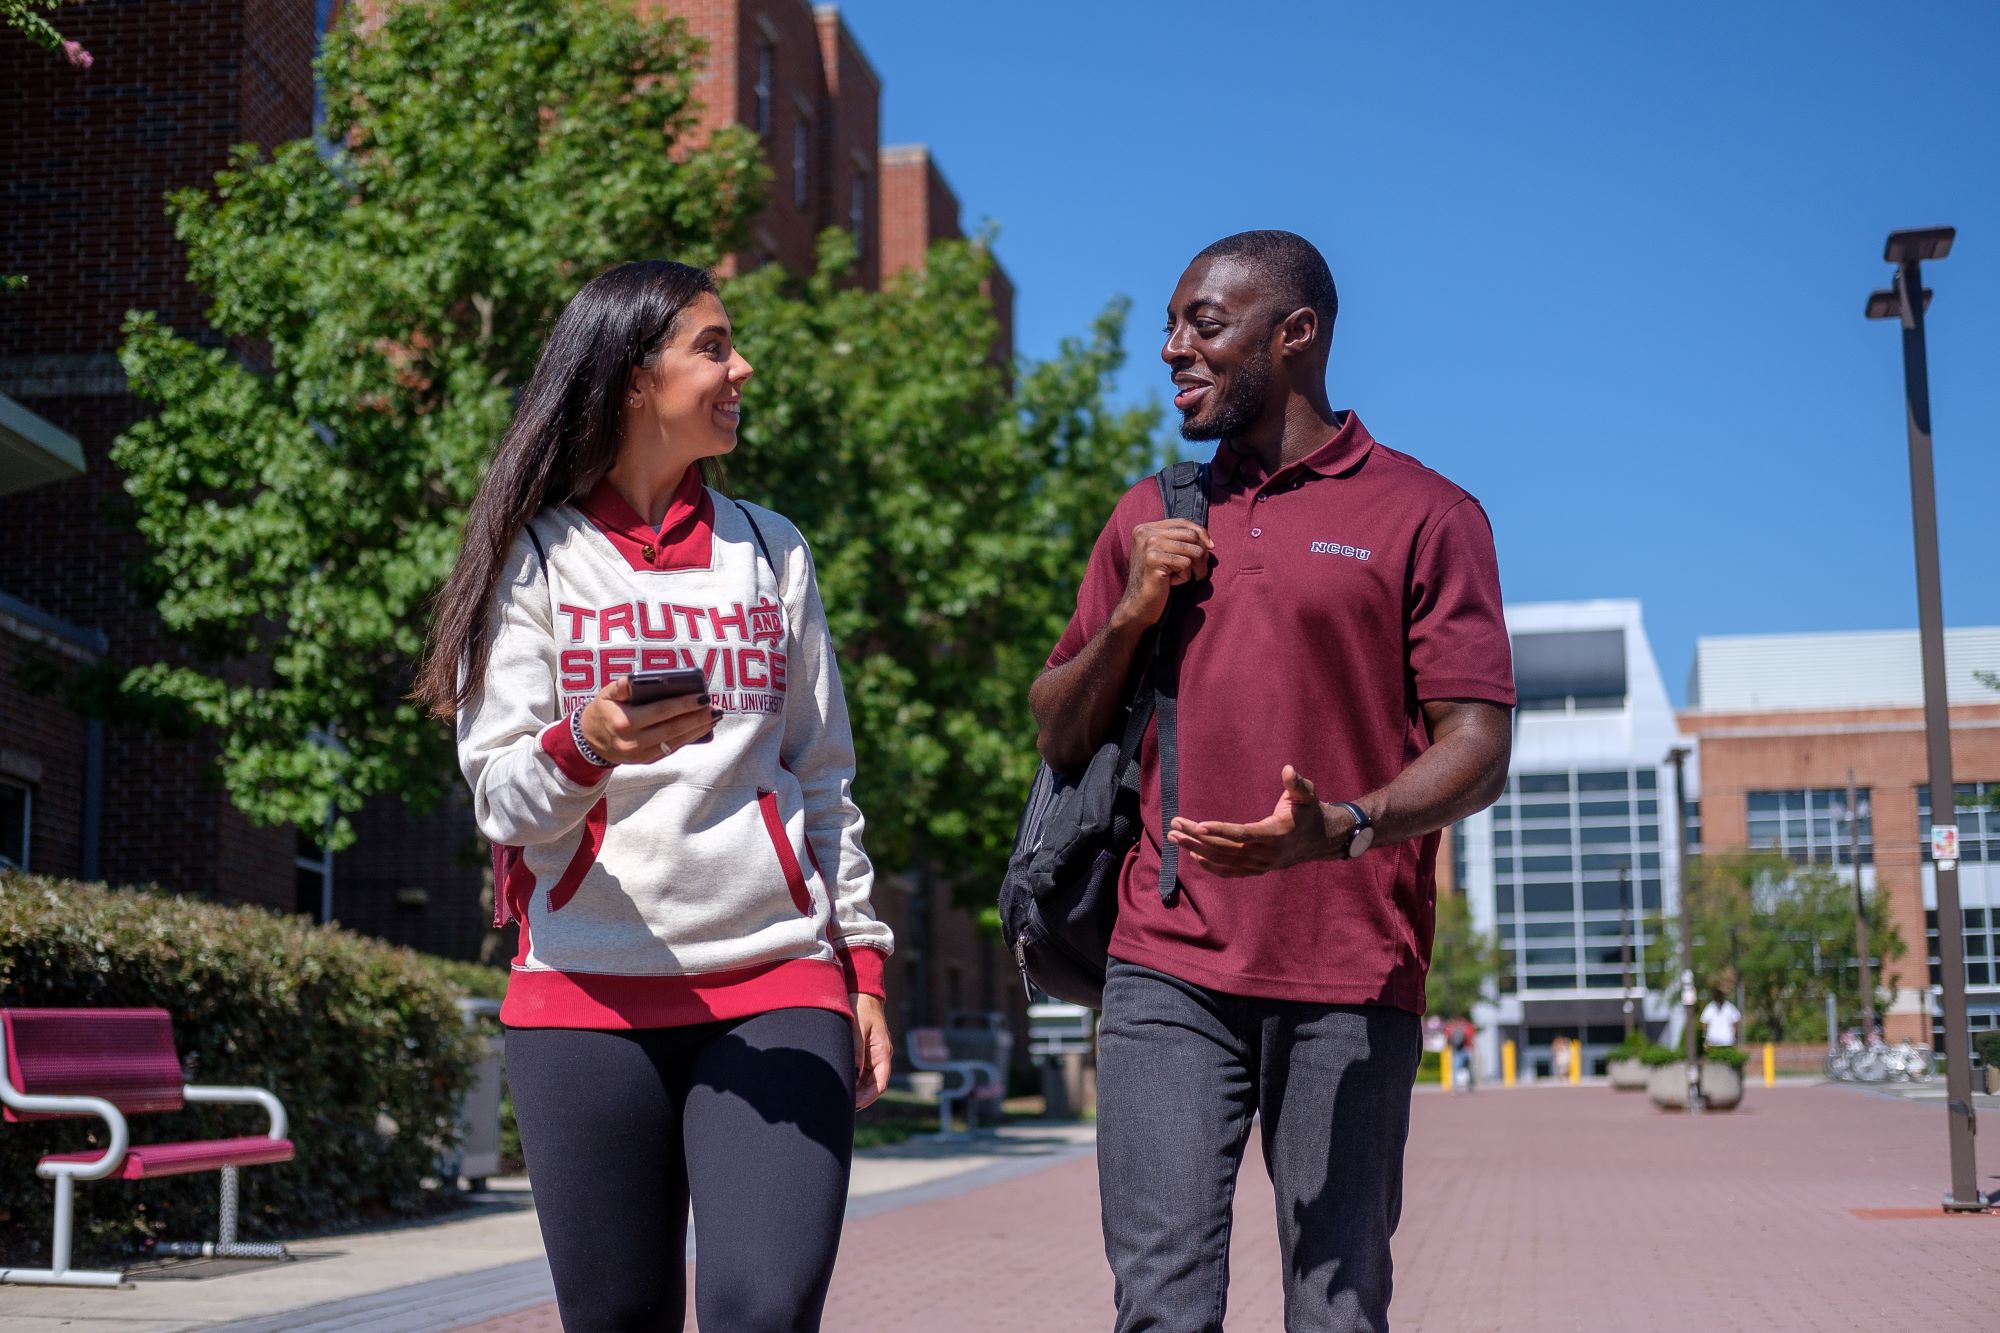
pixel 362 1042
pixel 1987 1044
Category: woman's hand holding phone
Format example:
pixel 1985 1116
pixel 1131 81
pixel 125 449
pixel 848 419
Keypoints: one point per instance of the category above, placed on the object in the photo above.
pixel 626 732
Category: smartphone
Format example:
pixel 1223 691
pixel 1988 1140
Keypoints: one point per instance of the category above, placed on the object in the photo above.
pixel 650 687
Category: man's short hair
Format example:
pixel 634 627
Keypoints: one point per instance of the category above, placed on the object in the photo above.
pixel 1291 267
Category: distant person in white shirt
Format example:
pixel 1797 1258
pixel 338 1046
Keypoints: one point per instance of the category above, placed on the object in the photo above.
pixel 1719 1021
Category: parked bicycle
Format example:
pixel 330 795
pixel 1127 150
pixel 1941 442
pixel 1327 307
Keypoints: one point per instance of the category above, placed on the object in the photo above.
pixel 1873 1060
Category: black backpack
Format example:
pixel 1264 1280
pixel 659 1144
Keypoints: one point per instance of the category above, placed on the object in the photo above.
pixel 1059 900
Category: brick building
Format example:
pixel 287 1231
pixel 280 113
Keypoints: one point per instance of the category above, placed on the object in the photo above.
pixel 1785 722
pixel 83 173
pixel 84 166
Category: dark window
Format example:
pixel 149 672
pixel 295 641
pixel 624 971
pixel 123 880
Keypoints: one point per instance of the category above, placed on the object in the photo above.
pixel 1549 897
pixel 1544 782
pixel 1603 781
pixel 801 163
pixel 15 804
pixel 761 89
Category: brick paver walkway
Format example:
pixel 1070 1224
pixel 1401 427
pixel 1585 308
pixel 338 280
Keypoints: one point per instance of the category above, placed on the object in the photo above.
pixel 1543 1209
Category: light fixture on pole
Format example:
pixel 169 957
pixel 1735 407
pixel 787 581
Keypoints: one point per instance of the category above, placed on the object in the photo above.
pixel 1906 302
pixel 1852 813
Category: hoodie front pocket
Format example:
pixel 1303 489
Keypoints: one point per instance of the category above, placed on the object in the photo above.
pixel 788 860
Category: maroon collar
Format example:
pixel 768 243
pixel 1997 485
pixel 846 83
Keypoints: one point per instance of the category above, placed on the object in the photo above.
pixel 685 538
pixel 1349 445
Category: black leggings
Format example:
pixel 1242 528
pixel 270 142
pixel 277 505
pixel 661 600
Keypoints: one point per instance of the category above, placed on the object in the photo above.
pixel 753 1118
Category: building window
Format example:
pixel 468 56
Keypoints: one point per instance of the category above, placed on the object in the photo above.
pixel 1981 934
pixel 1978 820
pixel 766 63
pixel 16 805
pixel 313 882
pixel 1810 825
pixel 801 163
pixel 857 207
pixel 1586 881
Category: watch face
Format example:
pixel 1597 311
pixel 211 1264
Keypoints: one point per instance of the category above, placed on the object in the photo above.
pixel 1358 844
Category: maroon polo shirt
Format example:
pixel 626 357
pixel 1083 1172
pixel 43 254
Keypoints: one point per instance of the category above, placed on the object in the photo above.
pixel 1347 589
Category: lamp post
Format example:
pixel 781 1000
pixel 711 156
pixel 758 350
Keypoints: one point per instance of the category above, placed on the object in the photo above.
pixel 1854 812
pixel 1678 758
pixel 1906 302
pixel 1625 941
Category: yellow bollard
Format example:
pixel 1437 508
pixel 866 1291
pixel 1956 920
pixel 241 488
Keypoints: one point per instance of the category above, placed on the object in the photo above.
pixel 1444 1067
pixel 1770 1065
pixel 1576 1063
pixel 1507 1064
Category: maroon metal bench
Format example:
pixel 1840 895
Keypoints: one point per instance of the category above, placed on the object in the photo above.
pixel 111 1063
pixel 977 1079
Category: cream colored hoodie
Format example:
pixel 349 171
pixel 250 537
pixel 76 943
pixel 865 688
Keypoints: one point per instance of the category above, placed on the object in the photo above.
pixel 723 880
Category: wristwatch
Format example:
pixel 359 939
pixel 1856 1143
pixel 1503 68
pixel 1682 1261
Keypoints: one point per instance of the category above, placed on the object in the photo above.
pixel 1364 829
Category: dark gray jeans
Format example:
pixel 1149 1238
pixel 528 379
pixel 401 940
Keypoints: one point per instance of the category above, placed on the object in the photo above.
pixel 1182 1072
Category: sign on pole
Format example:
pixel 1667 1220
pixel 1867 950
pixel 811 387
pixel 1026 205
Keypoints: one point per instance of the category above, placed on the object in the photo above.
pixel 1944 843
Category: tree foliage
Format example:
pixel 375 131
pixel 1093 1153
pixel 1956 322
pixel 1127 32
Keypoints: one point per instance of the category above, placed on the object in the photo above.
pixel 950 519
pixel 1786 934
pixel 302 484
pixel 302 489
pixel 1466 965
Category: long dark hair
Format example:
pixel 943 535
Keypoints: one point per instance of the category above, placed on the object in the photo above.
pixel 564 438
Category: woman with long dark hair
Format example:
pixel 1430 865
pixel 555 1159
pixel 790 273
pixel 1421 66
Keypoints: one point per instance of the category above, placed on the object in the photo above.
pixel 695 1008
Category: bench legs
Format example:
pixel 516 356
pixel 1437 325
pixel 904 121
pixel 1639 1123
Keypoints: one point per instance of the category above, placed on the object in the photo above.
pixel 60 1274
pixel 225 1245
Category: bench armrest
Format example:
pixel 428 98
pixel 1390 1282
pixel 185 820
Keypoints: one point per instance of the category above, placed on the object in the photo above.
pixel 114 1119
pixel 244 1096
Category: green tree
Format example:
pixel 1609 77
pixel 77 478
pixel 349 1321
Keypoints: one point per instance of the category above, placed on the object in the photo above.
pixel 950 520
pixel 302 489
pixel 1784 932
pixel 375 307
pixel 1465 964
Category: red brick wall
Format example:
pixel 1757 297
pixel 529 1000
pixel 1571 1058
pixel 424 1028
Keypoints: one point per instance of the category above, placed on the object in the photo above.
pixel 42 748
pixel 853 140
pixel 918 207
pixel 733 30
pixel 1745 752
pixel 84 168
pixel 89 155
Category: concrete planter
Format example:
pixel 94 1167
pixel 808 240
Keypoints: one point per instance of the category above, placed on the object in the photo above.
pixel 1629 1075
pixel 1721 1087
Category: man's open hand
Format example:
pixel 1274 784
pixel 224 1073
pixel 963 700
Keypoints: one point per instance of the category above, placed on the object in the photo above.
pixel 1298 829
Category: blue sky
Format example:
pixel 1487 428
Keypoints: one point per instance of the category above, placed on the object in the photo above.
pixel 1602 265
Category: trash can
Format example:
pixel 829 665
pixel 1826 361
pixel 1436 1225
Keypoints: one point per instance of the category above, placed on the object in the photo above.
pixel 1062 1040
pixel 477 1155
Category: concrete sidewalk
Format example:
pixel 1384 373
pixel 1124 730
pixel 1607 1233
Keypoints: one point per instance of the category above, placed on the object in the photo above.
pixel 482 1261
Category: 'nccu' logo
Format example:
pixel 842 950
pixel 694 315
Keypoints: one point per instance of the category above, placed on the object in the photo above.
pixel 1336 548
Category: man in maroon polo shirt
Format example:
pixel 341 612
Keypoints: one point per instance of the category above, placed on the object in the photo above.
pixel 1343 692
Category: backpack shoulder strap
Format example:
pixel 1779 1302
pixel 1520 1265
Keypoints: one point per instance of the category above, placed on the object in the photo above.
pixel 762 545
pixel 541 555
pixel 1184 494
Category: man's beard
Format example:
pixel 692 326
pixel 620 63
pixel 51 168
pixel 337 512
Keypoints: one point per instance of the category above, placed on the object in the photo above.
pixel 1239 407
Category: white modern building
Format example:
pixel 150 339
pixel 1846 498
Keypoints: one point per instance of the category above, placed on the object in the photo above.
pixel 1574 866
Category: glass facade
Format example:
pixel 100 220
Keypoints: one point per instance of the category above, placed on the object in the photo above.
pixel 1978 820
pixel 1981 932
pixel 1570 849
pixel 1810 825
